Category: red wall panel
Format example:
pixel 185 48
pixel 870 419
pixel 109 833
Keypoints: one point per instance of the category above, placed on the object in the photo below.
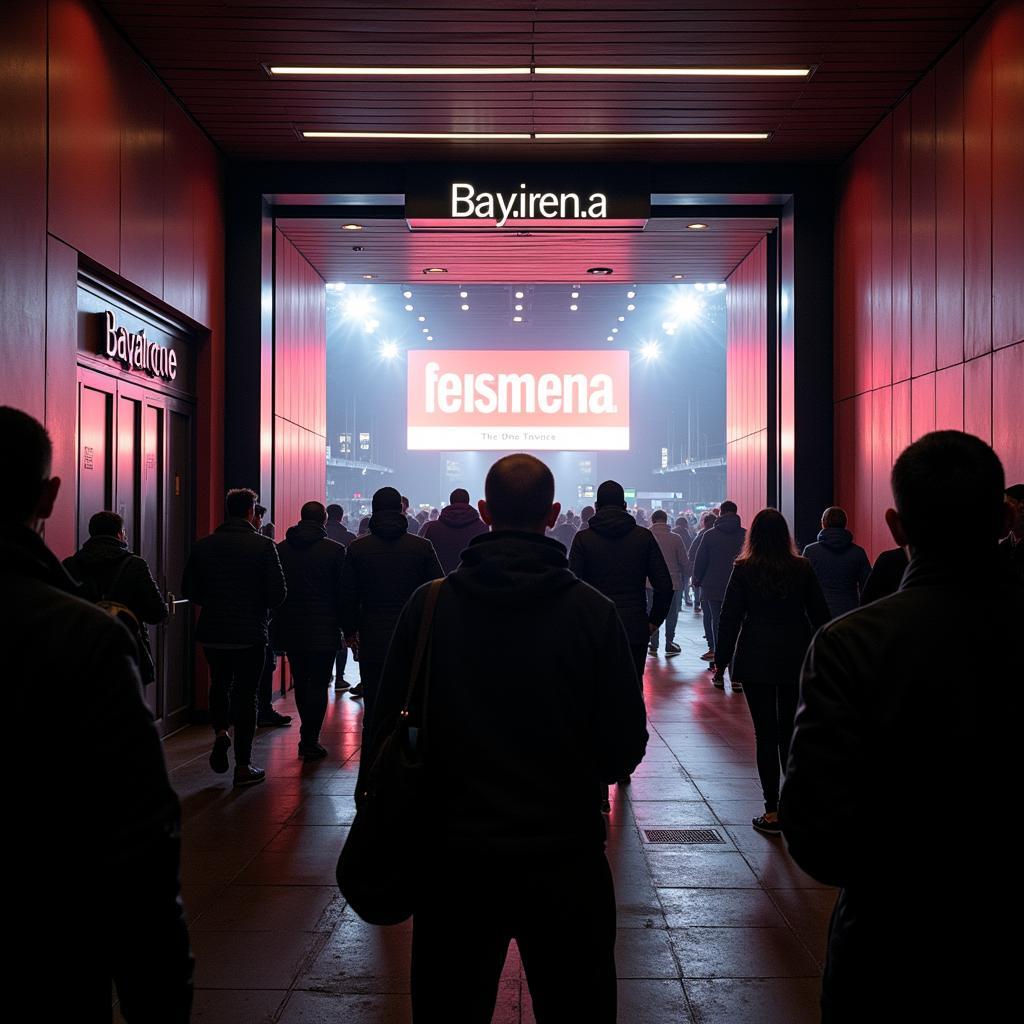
pixel 1007 419
pixel 1008 175
pixel 922 225
pixel 949 209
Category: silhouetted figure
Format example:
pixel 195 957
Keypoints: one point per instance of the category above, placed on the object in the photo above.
pixel 885 576
pixel 717 549
pixel 340 534
pixel 109 572
pixel 1012 545
pixel 454 528
pixel 519 848
pixel 267 716
pixel 235 576
pixel 842 567
pixel 98 825
pixel 381 572
pixel 908 720
pixel 307 627
pixel 674 552
pixel 773 604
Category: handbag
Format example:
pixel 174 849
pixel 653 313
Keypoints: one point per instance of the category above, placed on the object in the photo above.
pixel 378 866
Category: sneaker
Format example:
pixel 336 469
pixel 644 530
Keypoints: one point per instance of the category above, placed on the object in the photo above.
pixel 356 691
pixel 769 828
pixel 219 754
pixel 672 648
pixel 708 655
pixel 312 751
pixel 247 775
pixel 271 719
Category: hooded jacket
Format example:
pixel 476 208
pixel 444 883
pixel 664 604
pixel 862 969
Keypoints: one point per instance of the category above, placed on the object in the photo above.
pixel 452 531
pixel 503 778
pixel 718 548
pixel 96 564
pixel 673 550
pixel 310 618
pixel 885 691
pixel 617 557
pixel 234 575
pixel 380 573
pixel 125 837
pixel 841 566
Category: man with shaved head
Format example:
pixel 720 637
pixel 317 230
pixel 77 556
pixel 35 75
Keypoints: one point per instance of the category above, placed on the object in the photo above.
pixel 517 850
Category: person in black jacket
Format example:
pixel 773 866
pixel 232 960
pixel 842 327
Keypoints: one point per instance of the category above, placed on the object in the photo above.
pixel 519 842
pixel 453 529
pixel 773 604
pixel 235 576
pixel 842 567
pixel 108 571
pixel 885 576
pixel 380 573
pixel 340 534
pixel 307 627
pixel 106 867
pixel 899 731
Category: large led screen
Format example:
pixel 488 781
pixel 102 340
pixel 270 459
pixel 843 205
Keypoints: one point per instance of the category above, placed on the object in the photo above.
pixel 538 400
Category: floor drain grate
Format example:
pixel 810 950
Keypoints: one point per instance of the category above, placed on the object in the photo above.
pixel 683 835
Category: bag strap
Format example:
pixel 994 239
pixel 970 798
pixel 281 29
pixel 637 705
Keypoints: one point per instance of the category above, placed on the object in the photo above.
pixel 112 585
pixel 422 638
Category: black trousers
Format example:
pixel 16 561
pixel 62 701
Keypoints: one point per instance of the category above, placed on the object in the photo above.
pixel 559 908
pixel 311 673
pixel 234 680
pixel 773 709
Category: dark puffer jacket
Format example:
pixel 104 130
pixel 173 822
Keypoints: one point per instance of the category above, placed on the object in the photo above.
pixel 234 575
pixel 452 531
pixel 310 618
pixel 716 552
pixel 503 778
pixel 617 557
pixel 381 572
pixel 96 565
pixel 841 566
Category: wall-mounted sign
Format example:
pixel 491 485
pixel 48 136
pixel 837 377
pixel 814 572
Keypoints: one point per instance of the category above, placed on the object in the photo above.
pixel 534 198
pixel 135 351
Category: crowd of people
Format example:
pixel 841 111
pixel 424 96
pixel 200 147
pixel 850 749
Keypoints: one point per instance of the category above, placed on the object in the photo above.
pixel 861 682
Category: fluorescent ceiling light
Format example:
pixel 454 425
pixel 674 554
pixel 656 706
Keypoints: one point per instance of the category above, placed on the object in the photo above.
pixel 692 136
pixel 489 136
pixel 682 72
pixel 326 69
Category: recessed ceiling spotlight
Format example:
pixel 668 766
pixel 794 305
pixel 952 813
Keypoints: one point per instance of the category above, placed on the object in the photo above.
pixel 369 277
pixel 351 227
pixel 519 295
pixel 407 294
pixel 697 227
pixel 517 319
pixel 630 295
pixel 574 307
pixel 409 307
pixel 600 271
pixel 463 295
pixel 421 319
pixel 435 270
pixel 464 307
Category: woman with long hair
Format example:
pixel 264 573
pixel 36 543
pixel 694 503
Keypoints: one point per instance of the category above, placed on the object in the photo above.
pixel 773 605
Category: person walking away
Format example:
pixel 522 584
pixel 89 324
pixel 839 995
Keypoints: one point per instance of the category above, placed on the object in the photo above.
pixel 773 605
pixel 105 870
pixel 716 552
pixel 457 524
pixel 884 691
pixel 685 534
pixel 1012 545
pixel 340 534
pixel 381 572
pixel 307 627
pixel 842 567
pixel 235 576
pixel 674 552
pixel 108 571
pixel 517 850
pixel 617 557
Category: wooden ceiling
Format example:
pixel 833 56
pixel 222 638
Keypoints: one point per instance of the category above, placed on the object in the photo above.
pixel 395 255
pixel 867 55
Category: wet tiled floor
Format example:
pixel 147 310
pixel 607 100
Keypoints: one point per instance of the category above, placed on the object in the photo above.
pixel 730 933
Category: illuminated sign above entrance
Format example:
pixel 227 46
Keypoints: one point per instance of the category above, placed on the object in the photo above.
pixel 136 351
pixel 529 199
